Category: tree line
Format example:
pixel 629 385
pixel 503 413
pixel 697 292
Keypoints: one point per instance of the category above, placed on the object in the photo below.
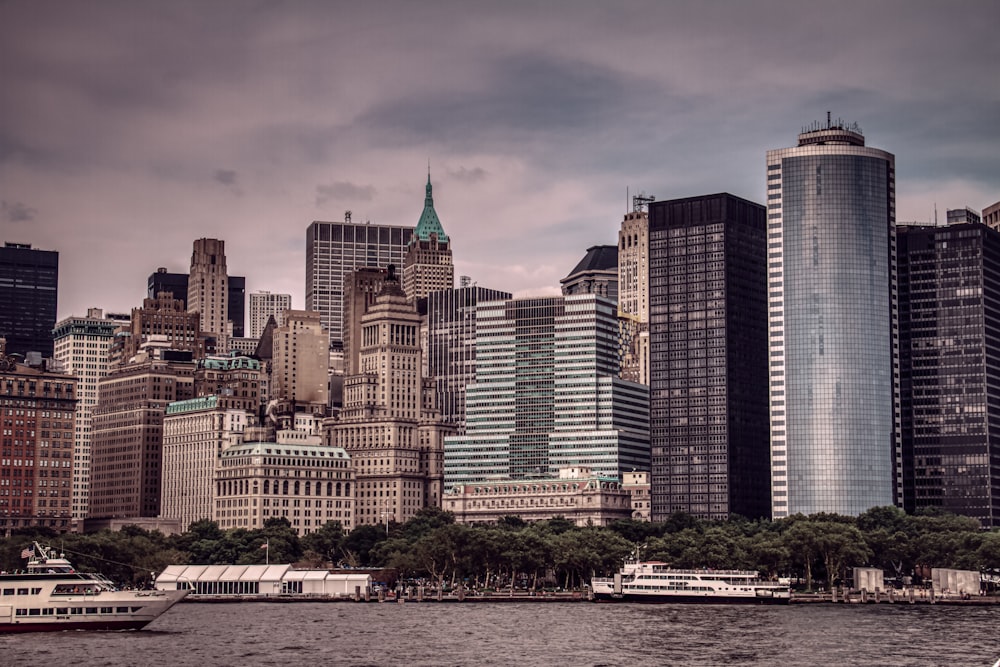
pixel 819 549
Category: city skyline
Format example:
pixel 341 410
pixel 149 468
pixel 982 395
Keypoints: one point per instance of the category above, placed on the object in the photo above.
pixel 127 131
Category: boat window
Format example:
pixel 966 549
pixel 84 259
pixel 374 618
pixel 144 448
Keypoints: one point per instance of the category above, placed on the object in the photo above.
pixel 76 610
pixel 8 591
pixel 107 610
pixel 48 612
pixel 121 610
pixel 36 591
pixel 22 591
pixel 91 610
pixel 34 612
pixel 62 610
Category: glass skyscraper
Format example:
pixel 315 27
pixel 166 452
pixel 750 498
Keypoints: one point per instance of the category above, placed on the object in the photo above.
pixel 547 394
pixel 833 339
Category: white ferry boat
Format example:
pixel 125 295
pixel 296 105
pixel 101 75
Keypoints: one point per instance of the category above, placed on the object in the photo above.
pixel 656 582
pixel 52 595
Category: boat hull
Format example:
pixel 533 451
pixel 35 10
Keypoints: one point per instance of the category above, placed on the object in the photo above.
pixel 140 609
pixel 689 599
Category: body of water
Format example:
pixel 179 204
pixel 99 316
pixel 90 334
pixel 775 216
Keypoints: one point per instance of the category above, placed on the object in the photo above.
pixel 530 634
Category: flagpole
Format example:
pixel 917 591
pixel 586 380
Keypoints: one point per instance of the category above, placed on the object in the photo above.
pixel 267 551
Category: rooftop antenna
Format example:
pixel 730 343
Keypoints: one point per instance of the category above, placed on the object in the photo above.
pixel 641 202
pixel 935 214
pixel 828 120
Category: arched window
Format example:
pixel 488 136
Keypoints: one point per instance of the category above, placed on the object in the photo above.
pixel 329 488
pixel 347 488
pixel 296 488
pixel 284 487
pixel 267 486
pixel 338 489
pixel 308 488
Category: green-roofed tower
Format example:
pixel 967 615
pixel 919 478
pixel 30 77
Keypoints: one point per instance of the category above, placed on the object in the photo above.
pixel 428 265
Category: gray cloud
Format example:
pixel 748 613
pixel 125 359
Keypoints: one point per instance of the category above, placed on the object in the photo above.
pixel 226 176
pixel 342 191
pixel 467 175
pixel 541 117
pixel 17 211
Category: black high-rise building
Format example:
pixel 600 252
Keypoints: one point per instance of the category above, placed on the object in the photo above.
pixel 709 430
pixel 29 283
pixel 949 340
pixel 177 284
pixel 237 304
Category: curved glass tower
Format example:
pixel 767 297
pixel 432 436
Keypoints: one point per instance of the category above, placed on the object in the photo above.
pixel 834 384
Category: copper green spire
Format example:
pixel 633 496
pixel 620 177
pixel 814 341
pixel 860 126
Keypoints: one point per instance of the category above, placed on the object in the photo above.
pixel 429 223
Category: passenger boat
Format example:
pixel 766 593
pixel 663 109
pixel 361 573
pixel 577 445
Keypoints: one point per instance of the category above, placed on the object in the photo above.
pixel 656 582
pixel 51 595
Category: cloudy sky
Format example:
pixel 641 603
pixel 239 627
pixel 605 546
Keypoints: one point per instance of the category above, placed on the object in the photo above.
pixel 129 129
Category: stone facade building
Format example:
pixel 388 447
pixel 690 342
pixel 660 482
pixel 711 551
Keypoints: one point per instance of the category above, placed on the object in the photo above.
pixel 576 494
pixel 308 483
pixel 389 423
pixel 127 445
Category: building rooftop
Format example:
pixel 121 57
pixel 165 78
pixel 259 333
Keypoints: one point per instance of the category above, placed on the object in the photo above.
pixel 429 222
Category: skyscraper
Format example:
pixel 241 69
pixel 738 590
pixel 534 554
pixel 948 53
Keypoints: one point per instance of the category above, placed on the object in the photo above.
pixel 300 362
pixel 428 266
pixel 949 340
pixel 547 394
pixel 29 282
pixel 633 291
pixel 451 345
pixel 126 462
pixel 81 346
pixel 389 424
pixel 708 361
pixel 334 249
pixel 208 290
pixel 264 305
pixel 834 381
pixel 177 284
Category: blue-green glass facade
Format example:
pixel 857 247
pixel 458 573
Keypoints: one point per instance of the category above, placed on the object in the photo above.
pixel 833 338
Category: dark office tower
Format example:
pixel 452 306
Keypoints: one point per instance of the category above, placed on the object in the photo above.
pixel 596 273
pixel 708 358
pixel 334 249
pixel 949 335
pixel 451 345
pixel 29 281
pixel 163 281
pixel 834 369
pixel 237 304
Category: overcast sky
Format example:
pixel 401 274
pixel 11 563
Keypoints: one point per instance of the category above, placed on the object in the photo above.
pixel 129 129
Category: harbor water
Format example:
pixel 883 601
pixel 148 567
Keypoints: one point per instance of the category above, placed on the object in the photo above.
pixel 527 635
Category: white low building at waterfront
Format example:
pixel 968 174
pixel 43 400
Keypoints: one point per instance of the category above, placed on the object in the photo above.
pixel 260 581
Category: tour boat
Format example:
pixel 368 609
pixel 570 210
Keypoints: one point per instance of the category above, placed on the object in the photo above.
pixel 657 582
pixel 51 595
